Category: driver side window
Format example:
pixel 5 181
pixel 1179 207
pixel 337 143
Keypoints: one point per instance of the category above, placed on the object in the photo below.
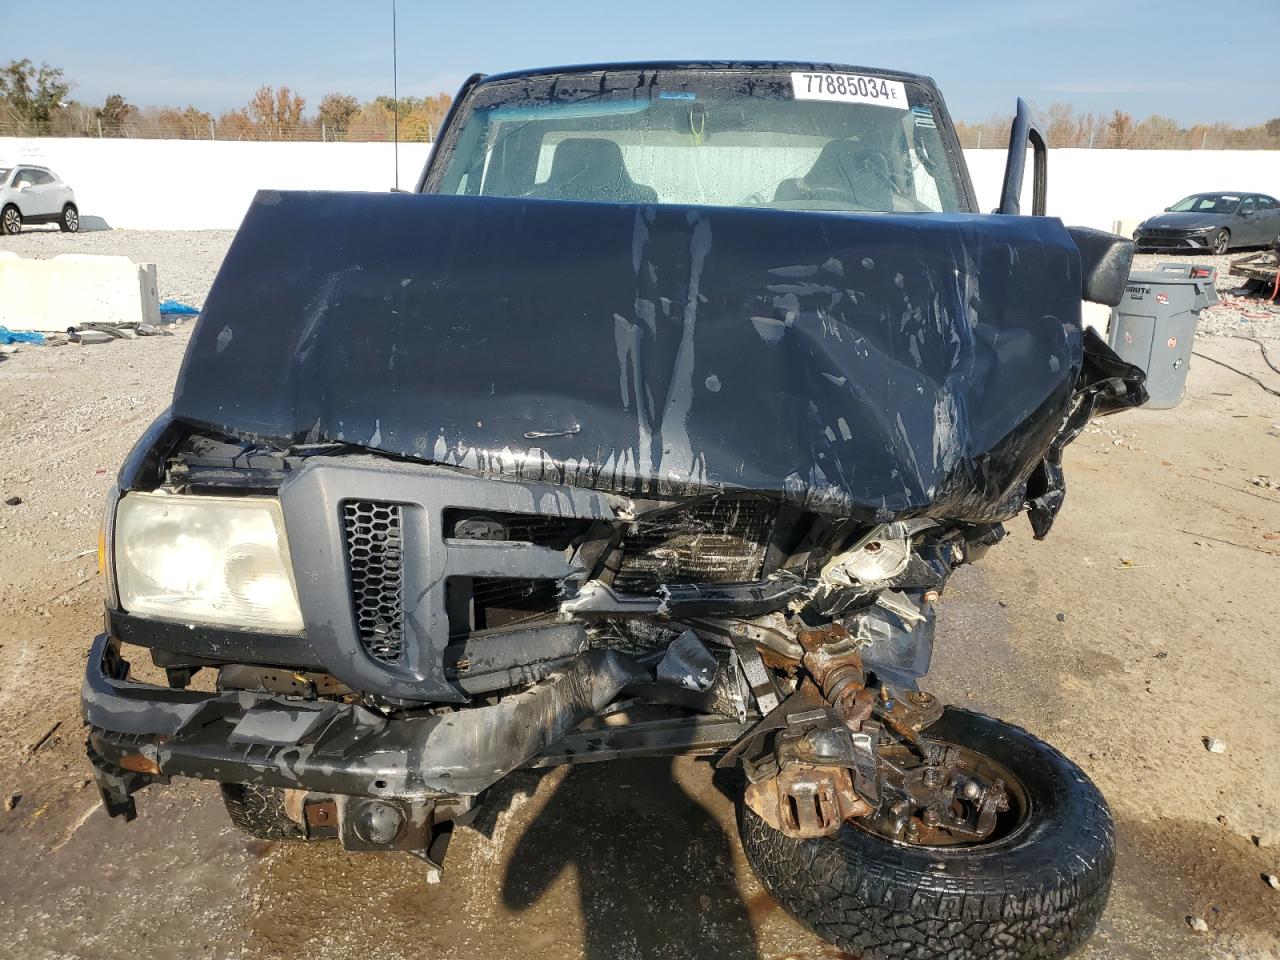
pixel 1247 207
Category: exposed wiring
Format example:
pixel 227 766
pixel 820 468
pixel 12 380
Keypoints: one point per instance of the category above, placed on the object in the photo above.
pixel 1250 376
pixel 1261 346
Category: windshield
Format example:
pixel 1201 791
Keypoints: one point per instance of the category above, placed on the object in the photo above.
pixel 751 137
pixel 1208 203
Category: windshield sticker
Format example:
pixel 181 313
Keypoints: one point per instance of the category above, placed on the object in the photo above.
pixel 924 117
pixel 849 88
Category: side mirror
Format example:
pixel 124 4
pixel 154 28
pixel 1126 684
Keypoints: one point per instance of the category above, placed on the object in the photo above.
pixel 1105 260
pixel 1025 129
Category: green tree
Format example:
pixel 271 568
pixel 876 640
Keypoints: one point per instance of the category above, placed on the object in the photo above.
pixel 33 94
pixel 336 111
pixel 113 114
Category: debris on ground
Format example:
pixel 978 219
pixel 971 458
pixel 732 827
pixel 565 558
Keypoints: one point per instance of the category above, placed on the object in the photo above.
pixel 1265 482
pixel 1273 881
pixel 1214 745
pixel 176 308
pixel 94 331
pixel 92 336
pixel 1197 924
pixel 1260 272
pixel 8 336
pixel 13 501
pixel 11 801
pixel 121 331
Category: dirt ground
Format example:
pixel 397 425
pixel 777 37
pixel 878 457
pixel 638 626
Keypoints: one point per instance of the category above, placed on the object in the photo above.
pixel 1146 622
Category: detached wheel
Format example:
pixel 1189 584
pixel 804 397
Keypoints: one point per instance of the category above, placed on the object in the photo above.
pixel 1221 241
pixel 70 222
pixel 10 220
pixel 259 811
pixel 1033 890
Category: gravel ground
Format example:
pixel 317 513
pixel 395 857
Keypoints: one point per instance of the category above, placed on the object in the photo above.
pixel 1231 316
pixel 1144 623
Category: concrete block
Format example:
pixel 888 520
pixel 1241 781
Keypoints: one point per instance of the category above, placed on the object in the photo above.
pixel 71 289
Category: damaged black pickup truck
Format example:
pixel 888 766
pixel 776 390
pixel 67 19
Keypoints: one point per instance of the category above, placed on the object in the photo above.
pixel 653 422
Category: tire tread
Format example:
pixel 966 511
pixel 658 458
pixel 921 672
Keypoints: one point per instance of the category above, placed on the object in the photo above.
pixel 259 811
pixel 880 910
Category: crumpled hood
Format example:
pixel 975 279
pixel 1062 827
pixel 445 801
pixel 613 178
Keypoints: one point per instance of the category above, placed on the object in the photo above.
pixel 1186 221
pixel 873 365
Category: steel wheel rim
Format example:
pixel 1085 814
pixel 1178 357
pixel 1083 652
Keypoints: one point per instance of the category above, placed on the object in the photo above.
pixel 1014 823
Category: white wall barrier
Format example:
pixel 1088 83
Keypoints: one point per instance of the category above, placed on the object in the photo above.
pixel 202 184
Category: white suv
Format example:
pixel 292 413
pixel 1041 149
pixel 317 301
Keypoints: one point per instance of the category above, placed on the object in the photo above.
pixel 31 194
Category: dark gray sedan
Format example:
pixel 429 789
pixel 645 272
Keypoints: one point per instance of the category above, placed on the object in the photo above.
pixel 1212 221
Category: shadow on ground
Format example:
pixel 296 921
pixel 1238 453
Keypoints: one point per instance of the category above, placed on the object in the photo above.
pixel 654 867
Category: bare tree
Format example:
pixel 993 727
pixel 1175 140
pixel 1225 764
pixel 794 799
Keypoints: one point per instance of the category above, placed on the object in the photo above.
pixel 1120 130
pixel 276 112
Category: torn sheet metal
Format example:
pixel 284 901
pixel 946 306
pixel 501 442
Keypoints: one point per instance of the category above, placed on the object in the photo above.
pixel 878 366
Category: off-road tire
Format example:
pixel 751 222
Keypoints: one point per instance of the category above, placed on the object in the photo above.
pixel 259 811
pixel 10 220
pixel 69 222
pixel 1035 895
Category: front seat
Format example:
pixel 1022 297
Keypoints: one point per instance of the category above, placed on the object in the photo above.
pixel 844 169
pixel 591 169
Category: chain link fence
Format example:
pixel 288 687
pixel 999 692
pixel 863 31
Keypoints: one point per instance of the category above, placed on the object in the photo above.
pixel 306 131
pixel 972 136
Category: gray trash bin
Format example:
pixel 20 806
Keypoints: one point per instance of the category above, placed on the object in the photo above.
pixel 1154 326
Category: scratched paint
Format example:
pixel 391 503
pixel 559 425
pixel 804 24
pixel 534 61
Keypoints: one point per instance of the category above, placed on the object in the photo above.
pixel 872 366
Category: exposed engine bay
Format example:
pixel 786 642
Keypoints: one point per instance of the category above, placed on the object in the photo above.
pixel 530 468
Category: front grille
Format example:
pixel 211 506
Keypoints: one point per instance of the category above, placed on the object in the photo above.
pixel 488 603
pixel 722 540
pixel 506 601
pixel 375 553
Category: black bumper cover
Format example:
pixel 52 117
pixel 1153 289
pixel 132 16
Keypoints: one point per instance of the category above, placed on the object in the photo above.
pixel 140 734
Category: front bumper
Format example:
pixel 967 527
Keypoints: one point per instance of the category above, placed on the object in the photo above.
pixel 140 734
pixel 1183 242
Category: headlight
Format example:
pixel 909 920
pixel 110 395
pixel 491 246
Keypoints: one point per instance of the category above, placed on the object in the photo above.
pixel 220 560
pixel 1200 229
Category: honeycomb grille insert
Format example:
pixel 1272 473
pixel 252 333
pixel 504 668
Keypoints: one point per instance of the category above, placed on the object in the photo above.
pixel 375 556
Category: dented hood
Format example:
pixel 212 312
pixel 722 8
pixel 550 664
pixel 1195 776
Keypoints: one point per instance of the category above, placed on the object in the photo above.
pixel 872 365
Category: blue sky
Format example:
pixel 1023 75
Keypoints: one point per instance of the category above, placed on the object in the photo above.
pixel 1186 59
